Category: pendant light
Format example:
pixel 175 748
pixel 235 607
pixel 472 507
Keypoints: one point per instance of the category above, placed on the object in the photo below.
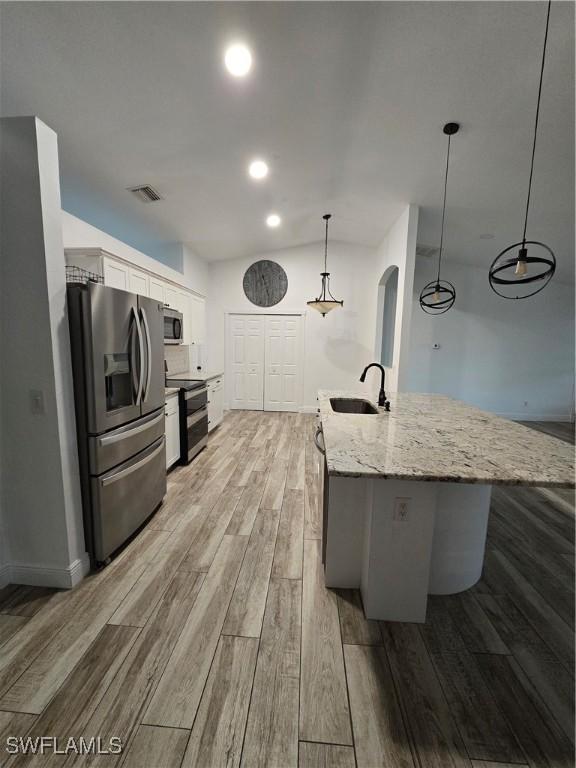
pixel 438 296
pixel 325 302
pixel 514 276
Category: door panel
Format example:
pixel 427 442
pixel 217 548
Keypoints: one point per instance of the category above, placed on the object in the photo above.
pixel 111 356
pixel 265 362
pixel 152 316
pixel 247 362
pixel 283 367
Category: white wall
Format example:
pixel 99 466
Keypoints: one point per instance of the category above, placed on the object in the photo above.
pixel 41 504
pixel 398 249
pixel 515 358
pixel 79 234
pixel 338 346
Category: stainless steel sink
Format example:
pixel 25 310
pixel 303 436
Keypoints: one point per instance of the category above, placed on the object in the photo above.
pixel 352 405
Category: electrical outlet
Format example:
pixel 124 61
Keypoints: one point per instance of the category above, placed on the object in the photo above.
pixel 401 509
pixel 36 402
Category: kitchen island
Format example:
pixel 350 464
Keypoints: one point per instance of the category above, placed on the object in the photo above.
pixel 407 494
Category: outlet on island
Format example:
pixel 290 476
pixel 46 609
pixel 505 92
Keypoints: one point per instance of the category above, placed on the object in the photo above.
pixel 401 509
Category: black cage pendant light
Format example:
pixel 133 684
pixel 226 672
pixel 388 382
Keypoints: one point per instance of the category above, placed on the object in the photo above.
pixel 439 296
pixel 525 273
pixel 325 302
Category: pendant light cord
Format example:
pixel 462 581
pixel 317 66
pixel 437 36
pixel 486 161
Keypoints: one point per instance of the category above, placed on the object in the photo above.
pixel 326 248
pixel 536 122
pixel 443 209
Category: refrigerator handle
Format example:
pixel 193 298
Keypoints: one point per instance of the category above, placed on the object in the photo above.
pixel 148 355
pixel 141 353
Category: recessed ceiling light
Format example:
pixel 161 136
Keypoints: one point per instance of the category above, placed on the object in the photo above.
pixel 273 220
pixel 238 60
pixel 258 169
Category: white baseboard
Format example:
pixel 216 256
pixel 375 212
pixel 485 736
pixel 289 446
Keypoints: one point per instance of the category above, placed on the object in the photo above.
pixel 48 576
pixel 563 417
pixel 4 575
pixel 308 409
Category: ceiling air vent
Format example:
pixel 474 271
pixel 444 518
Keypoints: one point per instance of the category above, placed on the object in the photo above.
pixel 145 193
pixel 427 251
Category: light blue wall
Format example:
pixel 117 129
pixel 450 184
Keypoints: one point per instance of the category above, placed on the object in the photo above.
pixel 129 229
pixel 515 358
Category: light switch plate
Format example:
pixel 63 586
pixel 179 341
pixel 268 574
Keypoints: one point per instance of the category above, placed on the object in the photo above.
pixel 36 402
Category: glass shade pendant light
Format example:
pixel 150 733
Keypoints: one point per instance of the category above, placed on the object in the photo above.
pixel 438 296
pixel 325 302
pixel 518 275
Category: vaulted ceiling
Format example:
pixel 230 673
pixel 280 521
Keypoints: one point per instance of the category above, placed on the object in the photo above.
pixel 346 102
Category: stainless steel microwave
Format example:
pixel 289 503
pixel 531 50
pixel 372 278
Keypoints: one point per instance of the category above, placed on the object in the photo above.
pixel 173 326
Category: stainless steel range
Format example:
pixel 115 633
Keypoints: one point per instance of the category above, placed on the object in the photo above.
pixel 193 397
pixel 117 341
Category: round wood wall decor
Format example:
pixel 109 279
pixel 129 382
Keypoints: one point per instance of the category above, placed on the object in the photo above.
pixel 265 283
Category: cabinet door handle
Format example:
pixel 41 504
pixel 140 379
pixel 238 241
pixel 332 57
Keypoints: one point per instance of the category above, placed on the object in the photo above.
pixel 317 435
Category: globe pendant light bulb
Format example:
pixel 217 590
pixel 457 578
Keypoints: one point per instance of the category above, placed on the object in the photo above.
pixel 521 264
pixel 436 296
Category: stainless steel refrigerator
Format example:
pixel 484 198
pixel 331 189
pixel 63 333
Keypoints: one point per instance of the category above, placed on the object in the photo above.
pixel 117 341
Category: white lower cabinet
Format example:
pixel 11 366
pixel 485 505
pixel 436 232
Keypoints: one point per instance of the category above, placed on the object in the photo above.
pixel 172 430
pixel 215 402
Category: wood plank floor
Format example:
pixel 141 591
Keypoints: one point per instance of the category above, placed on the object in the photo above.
pixel 212 641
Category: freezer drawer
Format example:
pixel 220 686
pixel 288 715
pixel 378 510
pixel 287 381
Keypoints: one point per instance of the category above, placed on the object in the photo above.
pixel 119 445
pixel 124 497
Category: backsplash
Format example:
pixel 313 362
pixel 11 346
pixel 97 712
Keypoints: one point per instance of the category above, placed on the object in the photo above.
pixel 177 358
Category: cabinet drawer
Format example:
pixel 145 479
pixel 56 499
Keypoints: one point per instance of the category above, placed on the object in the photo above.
pixel 123 498
pixel 118 445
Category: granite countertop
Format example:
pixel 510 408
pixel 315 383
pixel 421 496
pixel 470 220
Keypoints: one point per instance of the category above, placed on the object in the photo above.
pixel 437 438
pixel 209 376
pixel 195 375
pixel 168 391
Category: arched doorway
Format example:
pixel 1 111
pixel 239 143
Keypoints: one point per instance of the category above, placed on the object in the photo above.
pixel 386 331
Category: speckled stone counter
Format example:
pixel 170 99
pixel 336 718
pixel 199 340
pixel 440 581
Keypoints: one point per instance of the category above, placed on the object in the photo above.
pixel 438 439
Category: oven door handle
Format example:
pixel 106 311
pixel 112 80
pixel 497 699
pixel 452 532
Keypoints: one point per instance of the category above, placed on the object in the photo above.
pixel 196 416
pixel 189 394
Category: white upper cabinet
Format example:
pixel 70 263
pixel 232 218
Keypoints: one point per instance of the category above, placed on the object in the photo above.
pixel 172 297
pixel 119 274
pixel 138 282
pixel 156 289
pixel 197 320
pixel 116 274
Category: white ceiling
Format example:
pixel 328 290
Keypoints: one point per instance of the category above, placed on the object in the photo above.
pixel 346 101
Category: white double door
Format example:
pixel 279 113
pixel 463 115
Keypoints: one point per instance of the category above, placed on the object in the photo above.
pixel 265 362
